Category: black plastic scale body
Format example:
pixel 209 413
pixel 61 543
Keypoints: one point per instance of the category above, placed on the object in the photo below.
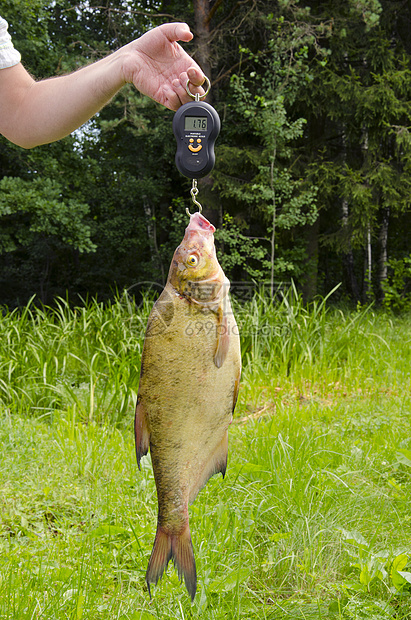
pixel 196 126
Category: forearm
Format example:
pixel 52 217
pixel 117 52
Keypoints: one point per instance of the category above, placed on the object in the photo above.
pixel 33 113
pixel 48 110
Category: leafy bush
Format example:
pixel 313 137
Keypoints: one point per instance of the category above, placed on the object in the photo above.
pixel 397 292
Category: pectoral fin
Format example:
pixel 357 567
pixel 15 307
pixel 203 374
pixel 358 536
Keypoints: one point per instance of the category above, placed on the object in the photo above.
pixel 236 390
pixel 223 339
pixel 141 431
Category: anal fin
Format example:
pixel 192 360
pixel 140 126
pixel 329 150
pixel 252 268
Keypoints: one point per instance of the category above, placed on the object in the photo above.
pixel 217 463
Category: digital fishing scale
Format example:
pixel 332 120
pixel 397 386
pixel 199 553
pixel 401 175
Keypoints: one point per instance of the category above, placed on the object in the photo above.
pixel 196 126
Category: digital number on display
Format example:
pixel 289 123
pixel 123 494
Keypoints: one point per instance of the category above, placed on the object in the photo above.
pixel 195 122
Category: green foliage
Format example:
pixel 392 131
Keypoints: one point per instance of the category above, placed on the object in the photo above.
pixel 240 251
pixel 260 175
pixel 87 357
pixel 313 160
pixel 36 208
pixel 375 565
pixel 79 357
pixel 360 100
pixel 97 191
pixel 396 288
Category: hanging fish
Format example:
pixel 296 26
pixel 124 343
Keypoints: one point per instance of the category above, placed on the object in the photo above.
pixel 190 373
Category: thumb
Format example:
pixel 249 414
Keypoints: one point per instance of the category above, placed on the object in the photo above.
pixel 177 32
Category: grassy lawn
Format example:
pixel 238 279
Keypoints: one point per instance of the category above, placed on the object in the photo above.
pixel 311 521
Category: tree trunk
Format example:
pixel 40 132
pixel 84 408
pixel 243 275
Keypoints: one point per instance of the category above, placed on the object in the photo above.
pixel 382 271
pixel 368 270
pixel 310 283
pixel 149 212
pixel 351 283
pixel 274 220
pixel 202 26
pixel 348 259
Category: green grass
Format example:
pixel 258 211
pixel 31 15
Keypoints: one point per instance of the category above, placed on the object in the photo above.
pixel 311 521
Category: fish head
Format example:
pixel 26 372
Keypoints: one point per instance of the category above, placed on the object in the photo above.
pixel 195 271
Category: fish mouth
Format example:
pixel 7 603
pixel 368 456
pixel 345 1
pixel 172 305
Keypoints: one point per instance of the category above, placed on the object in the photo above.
pixel 199 224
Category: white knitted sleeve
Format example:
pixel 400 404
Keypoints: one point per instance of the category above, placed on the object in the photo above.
pixel 8 55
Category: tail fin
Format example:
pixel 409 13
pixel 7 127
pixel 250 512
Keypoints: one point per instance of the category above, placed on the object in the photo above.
pixel 179 548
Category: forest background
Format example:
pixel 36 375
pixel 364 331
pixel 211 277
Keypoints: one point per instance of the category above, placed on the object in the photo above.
pixel 313 164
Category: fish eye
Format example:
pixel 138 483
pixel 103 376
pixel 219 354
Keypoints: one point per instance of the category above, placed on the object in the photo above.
pixel 192 260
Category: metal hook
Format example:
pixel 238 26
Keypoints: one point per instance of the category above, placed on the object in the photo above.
pixel 194 192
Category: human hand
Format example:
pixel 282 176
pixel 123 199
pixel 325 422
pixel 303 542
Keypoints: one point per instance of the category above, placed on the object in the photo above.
pixel 159 67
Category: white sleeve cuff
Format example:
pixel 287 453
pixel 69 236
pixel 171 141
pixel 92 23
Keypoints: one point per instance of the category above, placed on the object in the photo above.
pixel 8 55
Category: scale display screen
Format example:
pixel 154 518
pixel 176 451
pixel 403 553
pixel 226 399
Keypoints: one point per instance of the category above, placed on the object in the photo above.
pixel 193 123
